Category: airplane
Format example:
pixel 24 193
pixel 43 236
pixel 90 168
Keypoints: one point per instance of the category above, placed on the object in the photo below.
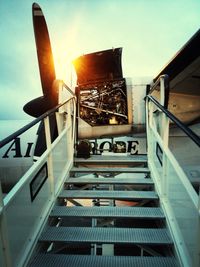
pixel 108 105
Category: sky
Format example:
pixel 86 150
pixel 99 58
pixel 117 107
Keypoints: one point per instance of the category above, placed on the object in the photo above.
pixel 150 32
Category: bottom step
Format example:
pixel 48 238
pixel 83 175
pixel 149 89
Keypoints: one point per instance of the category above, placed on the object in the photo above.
pixel 46 260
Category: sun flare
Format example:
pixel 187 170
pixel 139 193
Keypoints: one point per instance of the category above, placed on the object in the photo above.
pixel 63 58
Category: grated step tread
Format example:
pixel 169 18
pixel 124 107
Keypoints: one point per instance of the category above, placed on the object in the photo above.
pixel 101 159
pixel 107 235
pixel 110 180
pixel 109 170
pixel 59 260
pixel 108 212
pixel 106 194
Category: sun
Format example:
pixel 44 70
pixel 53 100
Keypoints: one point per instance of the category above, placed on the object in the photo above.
pixel 63 57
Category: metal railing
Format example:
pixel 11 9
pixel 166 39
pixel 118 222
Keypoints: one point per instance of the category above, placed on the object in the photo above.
pixel 163 84
pixel 24 210
pixel 192 135
pixel 177 195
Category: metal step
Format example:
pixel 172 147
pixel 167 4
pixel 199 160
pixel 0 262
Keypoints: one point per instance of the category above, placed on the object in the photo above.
pixel 107 235
pixel 59 260
pixel 108 212
pixel 109 170
pixel 109 180
pixel 106 194
pixel 101 159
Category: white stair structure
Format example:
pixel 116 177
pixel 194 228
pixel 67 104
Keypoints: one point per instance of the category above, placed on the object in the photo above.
pixel 98 225
pixel 131 210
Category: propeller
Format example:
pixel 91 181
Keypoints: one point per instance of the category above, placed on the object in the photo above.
pixel 38 106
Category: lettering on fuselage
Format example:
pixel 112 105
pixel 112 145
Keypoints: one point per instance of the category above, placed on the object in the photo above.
pixel 118 146
pixel 15 150
pixel 133 147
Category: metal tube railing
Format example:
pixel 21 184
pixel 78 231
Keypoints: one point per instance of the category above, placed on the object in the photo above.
pixel 22 130
pixel 178 198
pixel 192 135
pixel 163 81
pixel 13 253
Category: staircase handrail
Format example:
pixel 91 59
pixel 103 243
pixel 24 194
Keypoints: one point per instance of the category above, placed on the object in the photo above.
pixel 191 134
pixel 35 192
pixel 25 128
pixel 178 197
pixel 163 81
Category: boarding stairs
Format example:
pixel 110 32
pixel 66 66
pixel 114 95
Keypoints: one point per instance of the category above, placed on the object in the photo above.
pixel 130 230
pixel 108 210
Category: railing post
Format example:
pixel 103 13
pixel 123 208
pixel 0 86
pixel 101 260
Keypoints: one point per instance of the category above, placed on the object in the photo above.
pixel 162 90
pixel 148 118
pixel 165 139
pixel 164 131
pixel 50 156
pixel 58 86
pixel 4 241
pixel 74 122
pixel 197 260
pixel 151 124
pixel 59 121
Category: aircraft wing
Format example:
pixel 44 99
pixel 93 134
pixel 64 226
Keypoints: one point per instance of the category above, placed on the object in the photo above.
pixel 184 68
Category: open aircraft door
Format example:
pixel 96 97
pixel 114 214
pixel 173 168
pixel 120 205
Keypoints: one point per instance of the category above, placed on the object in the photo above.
pixel 104 96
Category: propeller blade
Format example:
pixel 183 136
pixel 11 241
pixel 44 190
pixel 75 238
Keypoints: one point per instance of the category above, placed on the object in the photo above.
pixel 44 51
pixel 38 106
